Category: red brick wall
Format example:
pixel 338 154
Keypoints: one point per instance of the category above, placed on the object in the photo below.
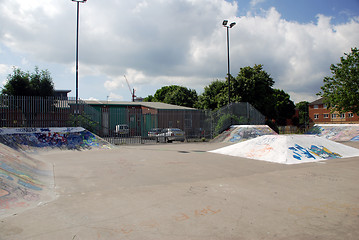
pixel 323 115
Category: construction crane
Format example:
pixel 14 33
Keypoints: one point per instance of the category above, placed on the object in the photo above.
pixel 132 91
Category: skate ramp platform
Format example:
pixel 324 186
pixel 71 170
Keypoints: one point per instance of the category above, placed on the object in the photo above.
pixel 239 133
pixel 24 182
pixel 336 132
pixel 63 138
pixel 289 149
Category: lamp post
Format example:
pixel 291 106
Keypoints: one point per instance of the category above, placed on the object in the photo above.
pixel 77 59
pixel 225 22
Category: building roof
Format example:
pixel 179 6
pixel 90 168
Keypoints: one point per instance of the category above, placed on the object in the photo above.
pixel 62 91
pixel 318 101
pixel 155 105
pixel 165 106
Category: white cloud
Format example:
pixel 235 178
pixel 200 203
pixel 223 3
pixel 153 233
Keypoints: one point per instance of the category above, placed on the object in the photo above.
pixel 5 70
pixel 297 56
pixel 156 43
pixel 93 99
pixel 114 83
pixel 115 97
pixel 140 6
pixel 254 3
pixel 133 77
pixel 24 61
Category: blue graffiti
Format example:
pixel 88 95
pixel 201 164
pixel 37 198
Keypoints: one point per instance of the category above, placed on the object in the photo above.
pixel 3 175
pixel 324 152
pixel 249 133
pixel 299 152
pixel 46 138
pixel 29 185
pixel 51 139
pixel 236 138
pixel 8 170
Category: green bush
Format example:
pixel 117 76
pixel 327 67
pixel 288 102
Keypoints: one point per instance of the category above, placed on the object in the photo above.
pixel 84 121
pixel 227 120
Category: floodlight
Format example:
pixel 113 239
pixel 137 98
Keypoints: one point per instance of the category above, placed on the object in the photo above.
pixel 77 58
pixel 225 22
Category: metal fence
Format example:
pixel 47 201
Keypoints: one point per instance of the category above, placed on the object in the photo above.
pixel 19 111
pixel 235 114
pixel 28 111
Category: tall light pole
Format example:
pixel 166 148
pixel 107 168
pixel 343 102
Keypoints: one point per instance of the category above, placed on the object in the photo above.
pixel 225 22
pixel 77 59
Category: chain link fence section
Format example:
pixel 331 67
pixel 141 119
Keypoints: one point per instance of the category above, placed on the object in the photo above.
pixel 125 124
pixel 235 114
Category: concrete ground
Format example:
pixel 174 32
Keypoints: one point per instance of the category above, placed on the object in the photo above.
pixel 180 191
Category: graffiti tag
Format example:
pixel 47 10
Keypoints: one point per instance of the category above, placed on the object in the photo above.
pixel 11 203
pixel 323 152
pixel 196 213
pixel 299 152
pixel 313 152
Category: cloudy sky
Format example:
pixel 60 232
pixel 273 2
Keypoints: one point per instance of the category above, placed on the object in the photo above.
pixel 164 42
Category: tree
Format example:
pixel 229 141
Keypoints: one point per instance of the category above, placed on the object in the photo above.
pixel 176 95
pixel 341 90
pixel 303 120
pixel 21 83
pixel 254 85
pixel 32 86
pixel 227 119
pixel 214 96
pixel 41 83
pixel 149 98
pixel 18 84
pixel 84 120
pixel 284 107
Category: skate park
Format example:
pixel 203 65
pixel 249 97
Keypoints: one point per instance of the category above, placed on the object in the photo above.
pixel 70 184
pixel 179 120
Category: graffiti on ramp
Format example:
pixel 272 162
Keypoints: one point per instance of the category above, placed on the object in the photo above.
pixel 24 181
pixel 239 133
pixel 336 132
pixel 61 138
pixel 289 149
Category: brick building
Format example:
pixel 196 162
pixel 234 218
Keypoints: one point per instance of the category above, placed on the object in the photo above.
pixel 319 113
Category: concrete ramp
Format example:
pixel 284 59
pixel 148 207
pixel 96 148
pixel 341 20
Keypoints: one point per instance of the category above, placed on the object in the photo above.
pixel 239 133
pixel 24 182
pixel 289 149
pixel 30 139
pixel 336 132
